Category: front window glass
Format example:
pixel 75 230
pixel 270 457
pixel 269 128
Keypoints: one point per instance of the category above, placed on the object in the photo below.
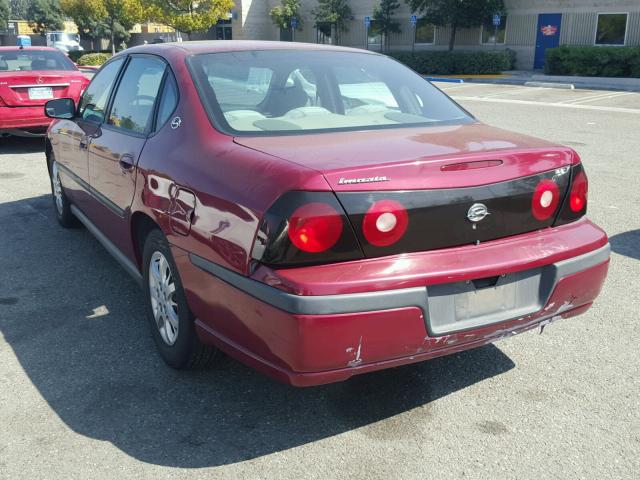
pixel 491 34
pixel 34 60
pixel 286 91
pixel 133 104
pixel 612 29
pixel 94 99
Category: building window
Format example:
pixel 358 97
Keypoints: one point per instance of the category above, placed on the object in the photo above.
pixel 492 35
pixel 425 32
pixel 611 29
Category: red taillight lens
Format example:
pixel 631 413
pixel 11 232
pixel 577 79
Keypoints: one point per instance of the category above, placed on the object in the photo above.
pixel 315 227
pixel 385 223
pixel 579 190
pixel 545 199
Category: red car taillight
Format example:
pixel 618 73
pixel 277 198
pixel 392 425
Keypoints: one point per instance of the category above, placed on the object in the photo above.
pixel 304 228
pixel 575 203
pixel 385 223
pixel 315 227
pixel 579 190
pixel 545 199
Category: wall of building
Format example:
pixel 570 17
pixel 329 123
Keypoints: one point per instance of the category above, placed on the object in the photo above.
pixel 578 25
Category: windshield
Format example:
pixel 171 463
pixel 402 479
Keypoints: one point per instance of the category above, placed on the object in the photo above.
pixel 36 60
pixel 65 37
pixel 285 92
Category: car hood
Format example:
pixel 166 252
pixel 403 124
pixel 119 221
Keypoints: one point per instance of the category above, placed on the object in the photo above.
pixel 416 158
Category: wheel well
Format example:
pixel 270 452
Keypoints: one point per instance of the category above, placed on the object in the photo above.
pixel 141 225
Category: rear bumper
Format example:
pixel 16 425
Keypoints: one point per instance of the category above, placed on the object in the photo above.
pixel 314 339
pixel 23 119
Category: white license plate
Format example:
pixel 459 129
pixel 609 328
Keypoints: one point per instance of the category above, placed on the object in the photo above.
pixel 40 93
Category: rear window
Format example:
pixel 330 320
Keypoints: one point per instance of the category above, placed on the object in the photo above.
pixel 288 92
pixel 34 60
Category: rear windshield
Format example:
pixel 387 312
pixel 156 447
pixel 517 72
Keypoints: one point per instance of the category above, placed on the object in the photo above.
pixel 34 60
pixel 287 92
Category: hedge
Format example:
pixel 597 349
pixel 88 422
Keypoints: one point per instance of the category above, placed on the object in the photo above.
pixel 93 59
pixel 460 63
pixel 593 61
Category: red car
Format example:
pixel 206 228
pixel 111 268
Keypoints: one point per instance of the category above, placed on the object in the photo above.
pixel 29 77
pixel 318 212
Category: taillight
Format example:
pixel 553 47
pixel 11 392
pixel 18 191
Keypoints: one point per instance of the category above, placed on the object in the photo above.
pixel 545 199
pixel 315 227
pixel 304 228
pixel 575 203
pixel 579 190
pixel 385 223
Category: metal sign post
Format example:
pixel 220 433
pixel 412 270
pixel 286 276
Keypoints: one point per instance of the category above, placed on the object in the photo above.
pixel 367 25
pixel 496 24
pixel 294 26
pixel 414 24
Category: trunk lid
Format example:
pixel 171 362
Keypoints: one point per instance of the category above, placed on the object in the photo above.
pixel 416 158
pixel 456 185
pixel 29 89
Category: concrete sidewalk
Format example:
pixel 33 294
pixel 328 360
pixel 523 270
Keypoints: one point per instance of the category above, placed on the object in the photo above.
pixel 518 77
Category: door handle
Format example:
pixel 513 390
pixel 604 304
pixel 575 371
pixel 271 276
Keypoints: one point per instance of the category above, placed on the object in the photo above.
pixel 126 163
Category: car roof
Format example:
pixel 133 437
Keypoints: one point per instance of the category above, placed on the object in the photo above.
pixel 217 46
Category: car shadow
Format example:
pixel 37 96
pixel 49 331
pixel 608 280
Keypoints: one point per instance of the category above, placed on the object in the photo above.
pixel 75 322
pixel 627 243
pixel 21 145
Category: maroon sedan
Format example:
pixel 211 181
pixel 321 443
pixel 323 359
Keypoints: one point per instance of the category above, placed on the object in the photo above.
pixel 318 212
pixel 29 77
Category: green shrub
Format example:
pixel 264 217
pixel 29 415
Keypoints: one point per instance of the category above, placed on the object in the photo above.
pixel 457 63
pixel 593 61
pixel 93 59
pixel 75 55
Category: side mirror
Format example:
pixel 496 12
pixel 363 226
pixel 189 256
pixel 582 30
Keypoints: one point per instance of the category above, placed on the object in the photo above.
pixel 64 108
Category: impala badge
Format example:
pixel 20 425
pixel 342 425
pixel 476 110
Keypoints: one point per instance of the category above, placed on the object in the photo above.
pixel 477 212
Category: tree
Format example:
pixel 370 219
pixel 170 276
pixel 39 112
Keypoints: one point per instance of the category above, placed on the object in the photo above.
pixel 456 13
pixel 190 16
pixel 18 9
pixel 4 14
pixel 45 15
pixel 88 15
pixel 383 22
pixel 283 14
pixel 120 16
pixel 333 12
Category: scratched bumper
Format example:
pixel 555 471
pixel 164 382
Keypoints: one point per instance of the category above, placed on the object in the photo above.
pixel 314 343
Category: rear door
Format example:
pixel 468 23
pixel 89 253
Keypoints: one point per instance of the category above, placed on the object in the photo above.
pixel 114 152
pixel 74 136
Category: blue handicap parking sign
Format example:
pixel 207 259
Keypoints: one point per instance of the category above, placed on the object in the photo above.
pixel 496 20
pixel 294 22
pixel 414 20
pixel 367 22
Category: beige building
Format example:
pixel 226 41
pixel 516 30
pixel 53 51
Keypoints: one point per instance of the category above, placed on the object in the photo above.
pixel 528 27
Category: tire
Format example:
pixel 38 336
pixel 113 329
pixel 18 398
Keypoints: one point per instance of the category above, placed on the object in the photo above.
pixel 172 323
pixel 61 204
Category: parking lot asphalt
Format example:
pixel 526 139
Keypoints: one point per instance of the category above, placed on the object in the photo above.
pixel 84 395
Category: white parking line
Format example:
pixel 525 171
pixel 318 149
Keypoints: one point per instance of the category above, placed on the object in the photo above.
pixel 547 104
pixel 602 96
pixel 508 92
